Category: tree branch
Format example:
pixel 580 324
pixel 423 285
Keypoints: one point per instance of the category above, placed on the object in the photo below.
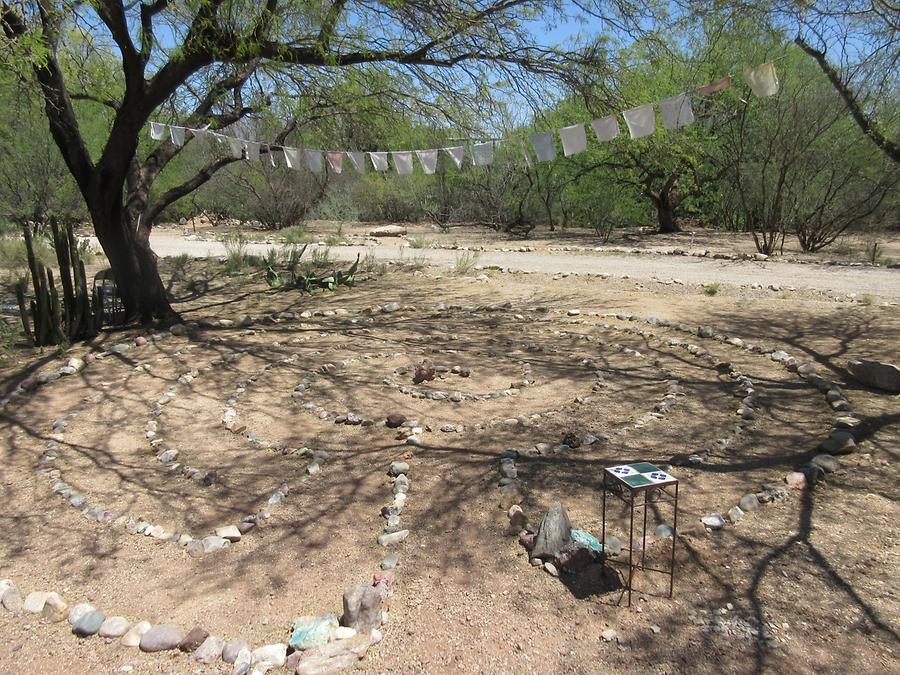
pixel 868 125
pixel 57 104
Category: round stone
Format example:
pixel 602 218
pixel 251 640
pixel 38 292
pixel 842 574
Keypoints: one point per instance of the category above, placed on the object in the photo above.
pixel 160 638
pixel 89 624
pixel 114 626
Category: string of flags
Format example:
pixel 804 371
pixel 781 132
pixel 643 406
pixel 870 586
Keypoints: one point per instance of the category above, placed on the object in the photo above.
pixel 676 112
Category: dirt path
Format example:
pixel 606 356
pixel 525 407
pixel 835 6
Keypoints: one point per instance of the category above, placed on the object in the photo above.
pixel 839 280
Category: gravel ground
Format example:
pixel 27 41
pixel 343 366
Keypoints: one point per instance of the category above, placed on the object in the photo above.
pixel 882 282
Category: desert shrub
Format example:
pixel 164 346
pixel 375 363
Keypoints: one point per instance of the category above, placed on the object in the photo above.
pixel 465 262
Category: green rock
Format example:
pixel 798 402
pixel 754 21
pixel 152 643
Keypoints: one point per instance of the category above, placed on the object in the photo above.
pixel 587 540
pixel 312 631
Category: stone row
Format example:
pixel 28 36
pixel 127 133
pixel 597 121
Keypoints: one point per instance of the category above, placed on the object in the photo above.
pixel 841 439
pixel 315 645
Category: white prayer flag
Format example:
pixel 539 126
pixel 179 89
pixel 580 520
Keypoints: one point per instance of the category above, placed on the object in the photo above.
pixel 483 153
pixel 177 135
pixel 641 120
pixel 456 154
pixel 763 80
pixel 314 160
pixel 200 133
pixel 574 139
pixel 292 158
pixel 379 160
pixel 271 152
pixel 157 131
pixel 677 111
pixel 236 145
pixel 606 128
pixel 544 148
pixel 403 162
pixel 252 148
pixel 358 160
pixel 428 160
pixel 335 160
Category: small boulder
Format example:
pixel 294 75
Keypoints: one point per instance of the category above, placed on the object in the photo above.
pixel 133 637
pixel 232 648
pixel 877 374
pixel 749 502
pixel 192 641
pixel 55 608
pixel 275 655
pixel 79 611
pixel 161 638
pixel 714 521
pixel 795 480
pixel 554 533
pixel 210 651
pixel 89 624
pixel 394 420
pixel 114 626
pixel 362 608
pixel 34 602
pixel 827 463
pixel 388 231
pixel 312 631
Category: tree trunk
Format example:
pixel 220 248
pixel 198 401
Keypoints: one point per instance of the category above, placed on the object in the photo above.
pixel 665 216
pixel 133 263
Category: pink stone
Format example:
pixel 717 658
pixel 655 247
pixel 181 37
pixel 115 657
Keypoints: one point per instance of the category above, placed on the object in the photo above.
pixel 795 480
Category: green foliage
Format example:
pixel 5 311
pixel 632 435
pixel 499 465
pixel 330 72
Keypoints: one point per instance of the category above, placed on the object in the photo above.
pixel 418 242
pixel 465 262
pixel 711 288
pixel 236 258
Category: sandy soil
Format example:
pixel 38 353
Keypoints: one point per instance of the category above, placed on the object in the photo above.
pixel 818 571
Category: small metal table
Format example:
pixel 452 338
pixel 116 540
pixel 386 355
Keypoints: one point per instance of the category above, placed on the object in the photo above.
pixel 640 485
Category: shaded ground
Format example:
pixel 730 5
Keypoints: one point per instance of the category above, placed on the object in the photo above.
pixel 818 571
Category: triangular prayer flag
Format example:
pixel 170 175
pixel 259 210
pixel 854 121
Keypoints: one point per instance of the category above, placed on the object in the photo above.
pixel 763 80
pixel 271 152
pixel 335 160
pixel 483 153
pixel 358 160
pixel 456 153
pixel 428 160
pixel 314 160
pixel 574 139
pixel 292 157
pixel 544 148
pixel 606 128
pixel 641 121
pixel 379 160
pixel 200 133
pixel 177 135
pixel 724 83
pixel 676 111
pixel 157 131
pixel 403 162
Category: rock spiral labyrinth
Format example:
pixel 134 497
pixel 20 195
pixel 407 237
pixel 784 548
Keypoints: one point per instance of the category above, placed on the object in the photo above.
pixel 276 429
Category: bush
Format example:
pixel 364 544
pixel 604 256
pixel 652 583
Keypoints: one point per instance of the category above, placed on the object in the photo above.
pixel 465 262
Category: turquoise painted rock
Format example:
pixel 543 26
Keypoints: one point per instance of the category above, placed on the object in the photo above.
pixel 313 631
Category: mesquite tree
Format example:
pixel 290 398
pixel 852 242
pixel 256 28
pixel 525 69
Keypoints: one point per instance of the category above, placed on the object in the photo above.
pixel 193 63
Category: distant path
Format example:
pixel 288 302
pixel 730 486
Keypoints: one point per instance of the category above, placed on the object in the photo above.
pixel 842 280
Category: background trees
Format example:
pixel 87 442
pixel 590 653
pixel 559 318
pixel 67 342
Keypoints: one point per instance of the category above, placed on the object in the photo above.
pixel 366 76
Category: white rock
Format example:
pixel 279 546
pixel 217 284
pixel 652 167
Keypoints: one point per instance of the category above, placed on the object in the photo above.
pixel 34 601
pixel 242 662
pixel 114 626
pixel 79 611
pixel 229 532
pixel 344 633
pixel 133 637
pixel 275 654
